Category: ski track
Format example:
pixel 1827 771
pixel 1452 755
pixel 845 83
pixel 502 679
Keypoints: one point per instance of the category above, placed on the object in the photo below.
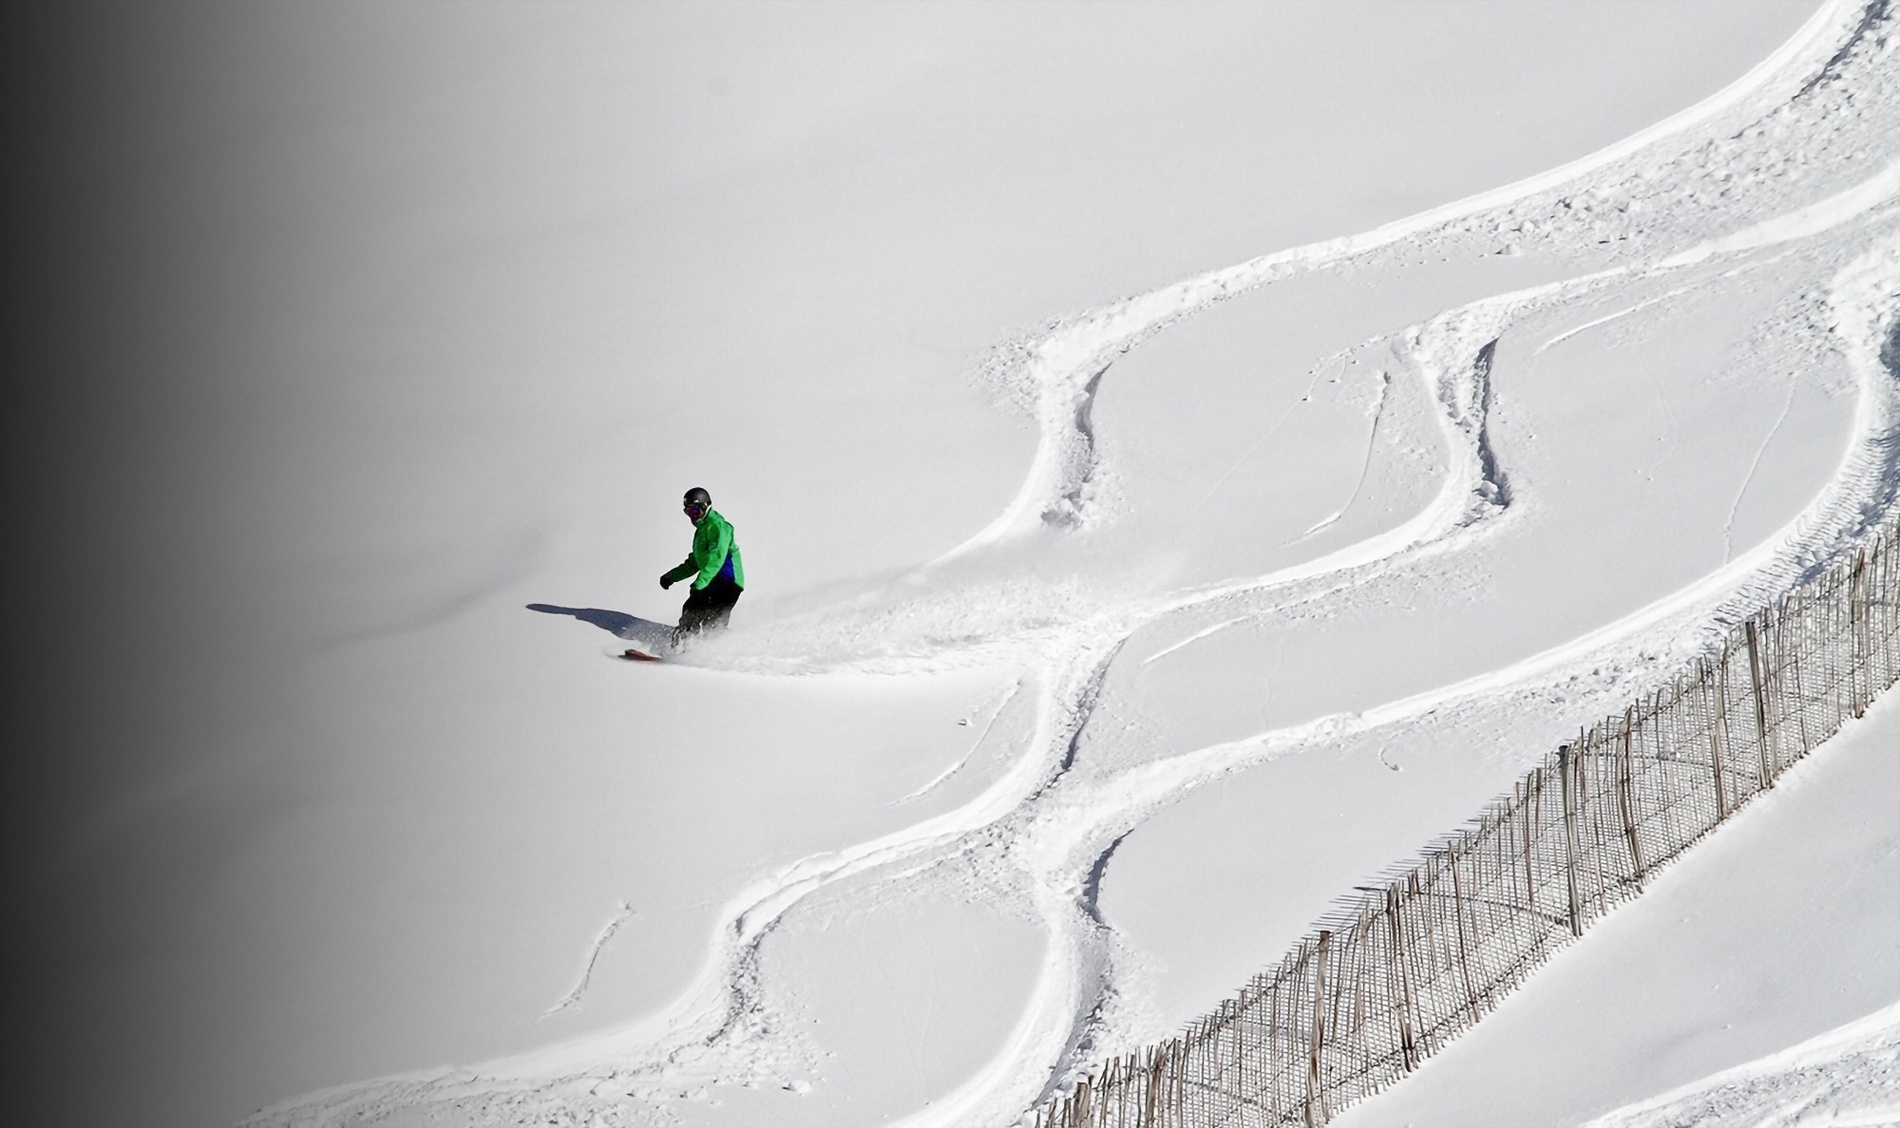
pixel 1041 832
pixel 1754 465
pixel 945 775
pixel 1365 464
pixel 1648 303
pixel 1318 371
pixel 579 990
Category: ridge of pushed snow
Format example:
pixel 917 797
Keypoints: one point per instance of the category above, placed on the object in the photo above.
pixel 1848 1077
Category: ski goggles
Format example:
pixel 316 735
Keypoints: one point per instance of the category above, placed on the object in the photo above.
pixel 695 508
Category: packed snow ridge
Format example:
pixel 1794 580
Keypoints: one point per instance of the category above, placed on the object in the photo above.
pixel 1548 444
pixel 1846 1078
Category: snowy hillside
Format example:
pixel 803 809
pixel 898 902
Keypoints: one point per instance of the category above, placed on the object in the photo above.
pixel 1088 656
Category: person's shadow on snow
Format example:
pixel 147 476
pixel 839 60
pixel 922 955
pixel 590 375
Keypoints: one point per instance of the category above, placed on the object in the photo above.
pixel 617 623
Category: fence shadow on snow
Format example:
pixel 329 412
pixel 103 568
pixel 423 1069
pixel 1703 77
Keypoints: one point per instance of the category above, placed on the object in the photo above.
pixel 1387 981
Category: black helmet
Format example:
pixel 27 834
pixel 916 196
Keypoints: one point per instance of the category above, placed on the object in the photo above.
pixel 697 498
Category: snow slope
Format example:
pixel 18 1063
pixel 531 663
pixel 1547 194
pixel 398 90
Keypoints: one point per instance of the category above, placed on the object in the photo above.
pixel 1065 696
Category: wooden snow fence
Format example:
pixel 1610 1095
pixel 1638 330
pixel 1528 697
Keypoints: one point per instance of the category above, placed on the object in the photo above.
pixel 1388 981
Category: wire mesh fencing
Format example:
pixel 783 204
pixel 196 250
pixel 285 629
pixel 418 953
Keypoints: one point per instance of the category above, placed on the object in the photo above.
pixel 1393 977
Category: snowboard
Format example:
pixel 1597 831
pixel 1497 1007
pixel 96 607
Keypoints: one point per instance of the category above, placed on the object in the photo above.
pixel 633 655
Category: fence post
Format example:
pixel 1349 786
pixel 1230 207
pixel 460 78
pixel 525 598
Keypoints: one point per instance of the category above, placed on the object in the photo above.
pixel 1151 1100
pixel 1880 612
pixel 1315 1095
pixel 1755 677
pixel 1408 1051
pixel 1238 1019
pixel 1625 765
pixel 1177 1078
pixel 1464 943
pixel 1566 765
pixel 1703 690
pixel 1525 796
pixel 1858 603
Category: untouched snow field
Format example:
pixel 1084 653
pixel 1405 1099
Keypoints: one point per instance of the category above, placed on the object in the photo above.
pixel 1186 459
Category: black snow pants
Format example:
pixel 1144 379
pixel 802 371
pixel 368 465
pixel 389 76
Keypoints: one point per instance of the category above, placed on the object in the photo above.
pixel 708 608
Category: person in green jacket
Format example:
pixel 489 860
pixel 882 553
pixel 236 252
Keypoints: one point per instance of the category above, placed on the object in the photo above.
pixel 717 572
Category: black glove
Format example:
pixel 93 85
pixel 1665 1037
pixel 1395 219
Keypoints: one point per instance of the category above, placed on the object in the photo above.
pixel 665 582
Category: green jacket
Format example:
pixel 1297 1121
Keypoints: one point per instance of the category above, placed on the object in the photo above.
pixel 713 548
